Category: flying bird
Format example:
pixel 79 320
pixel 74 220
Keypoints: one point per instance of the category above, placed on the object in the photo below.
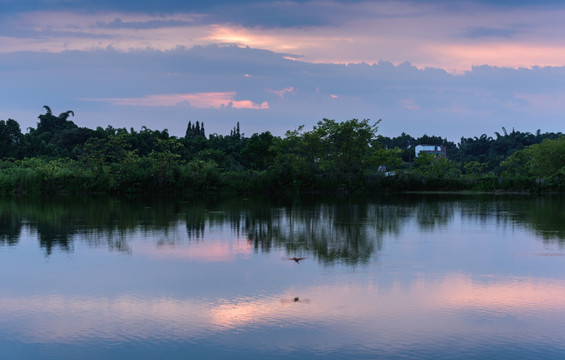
pixel 297 259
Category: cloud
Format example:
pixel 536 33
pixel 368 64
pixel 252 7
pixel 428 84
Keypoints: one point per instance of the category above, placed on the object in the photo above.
pixel 117 23
pixel 409 104
pixel 462 57
pixel 197 100
pixel 554 103
pixel 476 32
pixel 165 89
pixel 282 92
pixel 428 34
pixel 432 67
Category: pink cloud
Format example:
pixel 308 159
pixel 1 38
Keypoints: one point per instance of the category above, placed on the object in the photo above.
pixel 290 58
pixel 281 93
pixel 459 58
pixel 440 38
pixel 247 104
pixel 203 100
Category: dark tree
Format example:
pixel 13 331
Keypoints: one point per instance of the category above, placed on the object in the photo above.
pixel 11 138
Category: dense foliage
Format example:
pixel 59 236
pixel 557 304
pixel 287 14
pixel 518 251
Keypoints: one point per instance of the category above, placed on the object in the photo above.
pixel 60 157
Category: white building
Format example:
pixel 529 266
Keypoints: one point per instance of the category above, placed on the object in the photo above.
pixel 439 150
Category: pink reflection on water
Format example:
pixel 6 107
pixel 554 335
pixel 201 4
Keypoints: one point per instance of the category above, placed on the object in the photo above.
pixel 424 308
pixel 510 295
pixel 211 250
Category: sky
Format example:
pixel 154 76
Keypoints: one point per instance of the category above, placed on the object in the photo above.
pixel 439 67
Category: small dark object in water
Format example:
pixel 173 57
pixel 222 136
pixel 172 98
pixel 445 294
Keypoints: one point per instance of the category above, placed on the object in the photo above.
pixel 296 259
pixel 295 299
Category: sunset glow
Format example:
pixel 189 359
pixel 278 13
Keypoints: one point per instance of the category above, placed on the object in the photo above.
pixel 346 43
pixel 404 61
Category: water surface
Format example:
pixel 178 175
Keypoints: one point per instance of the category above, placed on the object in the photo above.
pixel 409 277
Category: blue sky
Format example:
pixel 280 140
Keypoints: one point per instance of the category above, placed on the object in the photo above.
pixel 439 67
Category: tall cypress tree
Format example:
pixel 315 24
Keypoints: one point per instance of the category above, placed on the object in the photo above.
pixel 197 129
pixel 189 131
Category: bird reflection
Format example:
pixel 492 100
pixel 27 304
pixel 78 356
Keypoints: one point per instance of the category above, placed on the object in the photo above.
pixel 296 299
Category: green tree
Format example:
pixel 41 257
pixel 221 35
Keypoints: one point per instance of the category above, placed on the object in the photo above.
pixel 541 160
pixel 432 166
pixel 99 152
pixel 194 130
pixel 49 123
pixel 164 159
pixel 475 168
pixel 44 141
pixel 547 158
pixel 11 138
pixel 404 142
pixel 258 153
pixel 391 159
pixel 344 146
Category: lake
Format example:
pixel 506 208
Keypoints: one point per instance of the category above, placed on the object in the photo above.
pixel 396 277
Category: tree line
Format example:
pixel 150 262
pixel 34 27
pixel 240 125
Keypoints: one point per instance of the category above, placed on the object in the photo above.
pixel 350 156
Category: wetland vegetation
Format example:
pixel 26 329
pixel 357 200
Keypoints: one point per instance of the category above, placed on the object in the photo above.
pixel 59 157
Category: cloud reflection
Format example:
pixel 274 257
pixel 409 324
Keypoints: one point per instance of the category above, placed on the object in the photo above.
pixel 208 251
pixel 515 295
pixel 401 309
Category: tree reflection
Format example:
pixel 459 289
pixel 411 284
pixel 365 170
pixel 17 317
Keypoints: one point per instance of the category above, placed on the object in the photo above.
pixel 330 231
pixel 195 220
pixel 10 227
pixel 340 231
pixel 545 216
pixel 433 215
pixel 50 238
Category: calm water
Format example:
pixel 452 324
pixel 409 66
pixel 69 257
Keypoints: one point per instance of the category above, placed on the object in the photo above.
pixel 390 278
